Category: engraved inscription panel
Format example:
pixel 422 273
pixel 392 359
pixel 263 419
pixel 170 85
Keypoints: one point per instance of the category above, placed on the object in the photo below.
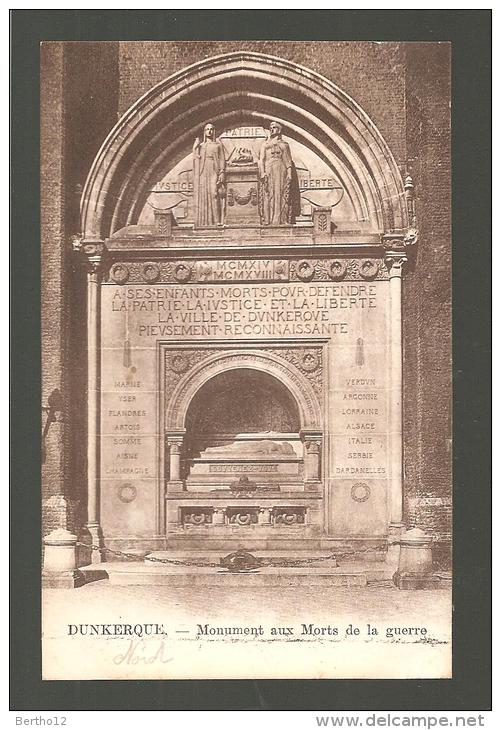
pixel 282 318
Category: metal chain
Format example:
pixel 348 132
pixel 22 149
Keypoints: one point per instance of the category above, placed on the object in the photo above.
pixel 294 563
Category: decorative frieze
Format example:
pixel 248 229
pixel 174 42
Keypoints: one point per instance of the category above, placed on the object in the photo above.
pixel 243 516
pixel 246 270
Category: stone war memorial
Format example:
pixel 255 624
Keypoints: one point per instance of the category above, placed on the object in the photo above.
pixel 255 315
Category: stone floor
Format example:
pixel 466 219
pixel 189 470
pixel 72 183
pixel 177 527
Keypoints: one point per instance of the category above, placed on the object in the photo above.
pixel 187 654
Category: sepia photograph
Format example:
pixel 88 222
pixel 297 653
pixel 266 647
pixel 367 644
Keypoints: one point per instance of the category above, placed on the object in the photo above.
pixel 246 359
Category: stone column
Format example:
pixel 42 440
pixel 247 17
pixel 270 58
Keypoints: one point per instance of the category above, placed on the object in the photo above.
pixel 175 462
pixel 174 445
pixel 312 471
pixel 93 253
pixel 395 261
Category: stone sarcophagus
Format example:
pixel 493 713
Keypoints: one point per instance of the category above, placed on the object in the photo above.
pixel 265 461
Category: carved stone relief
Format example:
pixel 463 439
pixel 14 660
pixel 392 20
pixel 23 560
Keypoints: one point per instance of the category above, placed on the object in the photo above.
pixel 267 270
pixel 306 359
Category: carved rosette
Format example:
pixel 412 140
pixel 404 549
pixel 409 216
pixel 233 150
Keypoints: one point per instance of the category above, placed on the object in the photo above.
pixel 119 273
pixel 308 360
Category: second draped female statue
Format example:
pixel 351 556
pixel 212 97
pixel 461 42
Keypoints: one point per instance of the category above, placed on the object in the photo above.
pixel 278 180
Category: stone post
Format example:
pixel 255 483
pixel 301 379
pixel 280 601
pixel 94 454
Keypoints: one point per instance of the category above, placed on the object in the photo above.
pixel 415 568
pixel 395 261
pixel 218 516
pixel 264 516
pixel 59 566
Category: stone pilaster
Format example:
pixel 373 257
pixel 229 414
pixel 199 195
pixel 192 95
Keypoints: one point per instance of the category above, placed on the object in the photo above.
pixel 312 445
pixel 397 250
pixel 174 441
pixel 93 253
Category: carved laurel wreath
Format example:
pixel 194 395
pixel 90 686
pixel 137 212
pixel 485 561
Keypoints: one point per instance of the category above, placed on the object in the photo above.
pixel 233 197
pixel 360 492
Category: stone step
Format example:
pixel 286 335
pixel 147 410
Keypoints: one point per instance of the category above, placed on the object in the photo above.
pixel 373 570
pixel 288 544
pixel 214 556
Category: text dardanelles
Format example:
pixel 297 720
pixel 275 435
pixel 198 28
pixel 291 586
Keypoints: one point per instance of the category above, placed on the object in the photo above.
pixel 280 310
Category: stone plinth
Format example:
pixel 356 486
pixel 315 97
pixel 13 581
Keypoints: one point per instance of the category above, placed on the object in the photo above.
pixel 59 569
pixel 415 568
pixel 242 195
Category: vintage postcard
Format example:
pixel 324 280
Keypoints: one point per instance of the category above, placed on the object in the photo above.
pixel 246 333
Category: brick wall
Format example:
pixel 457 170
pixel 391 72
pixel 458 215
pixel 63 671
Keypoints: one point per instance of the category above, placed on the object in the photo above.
pixel 53 200
pixel 427 298
pixel 79 93
pixel 371 73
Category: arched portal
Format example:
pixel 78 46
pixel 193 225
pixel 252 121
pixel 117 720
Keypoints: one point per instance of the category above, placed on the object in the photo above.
pixel 243 400
pixel 240 413
pixel 270 363
pixel 242 422
pixel 240 88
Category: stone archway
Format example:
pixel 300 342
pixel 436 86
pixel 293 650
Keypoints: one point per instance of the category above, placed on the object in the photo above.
pixel 241 87
pixel 294 384
pixel 268 362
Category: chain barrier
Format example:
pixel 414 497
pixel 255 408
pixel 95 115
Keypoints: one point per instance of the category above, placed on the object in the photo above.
pixel 283 563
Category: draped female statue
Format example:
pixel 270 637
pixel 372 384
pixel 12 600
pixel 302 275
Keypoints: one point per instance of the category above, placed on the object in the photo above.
pixel 209 179
pixel 278 180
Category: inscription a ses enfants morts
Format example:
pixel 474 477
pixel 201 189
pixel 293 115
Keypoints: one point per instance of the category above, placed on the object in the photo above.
pixel 233 311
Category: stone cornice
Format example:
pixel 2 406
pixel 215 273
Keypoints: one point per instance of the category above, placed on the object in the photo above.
pixel 138 263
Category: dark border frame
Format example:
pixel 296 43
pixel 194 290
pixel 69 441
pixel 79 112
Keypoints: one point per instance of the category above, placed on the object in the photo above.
pixel 469 31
